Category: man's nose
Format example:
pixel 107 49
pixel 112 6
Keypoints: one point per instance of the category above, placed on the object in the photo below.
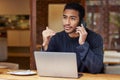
pixel 68 21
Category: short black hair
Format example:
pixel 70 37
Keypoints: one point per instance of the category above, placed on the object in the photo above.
pixel 77 7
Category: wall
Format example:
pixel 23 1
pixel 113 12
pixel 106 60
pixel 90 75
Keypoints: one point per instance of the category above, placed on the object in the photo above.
pixel 12 7
pixel 55 13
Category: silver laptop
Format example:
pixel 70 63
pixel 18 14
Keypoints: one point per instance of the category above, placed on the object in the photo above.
pixel 56 64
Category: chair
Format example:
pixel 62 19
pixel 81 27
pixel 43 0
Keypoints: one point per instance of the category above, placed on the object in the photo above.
pixel 3 49
pixel 112 69
pixel 112 62
pixel 9 65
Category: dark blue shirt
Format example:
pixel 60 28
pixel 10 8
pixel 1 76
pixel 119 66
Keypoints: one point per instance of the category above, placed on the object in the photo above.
pixel 89 55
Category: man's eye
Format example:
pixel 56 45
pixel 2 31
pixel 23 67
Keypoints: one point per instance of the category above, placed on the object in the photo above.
pixel 64 17
pixel 73 19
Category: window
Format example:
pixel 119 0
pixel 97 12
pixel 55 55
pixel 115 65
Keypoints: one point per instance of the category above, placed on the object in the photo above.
pixel 103 17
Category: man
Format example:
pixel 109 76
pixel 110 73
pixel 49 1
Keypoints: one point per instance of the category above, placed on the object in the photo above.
pixel 75 37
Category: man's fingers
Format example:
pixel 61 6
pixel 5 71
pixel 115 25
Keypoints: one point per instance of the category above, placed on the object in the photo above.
pixel 46 27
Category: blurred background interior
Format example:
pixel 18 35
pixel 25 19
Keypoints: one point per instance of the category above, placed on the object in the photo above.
pixel 22 21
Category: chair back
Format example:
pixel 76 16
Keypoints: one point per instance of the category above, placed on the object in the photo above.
pixel 10 65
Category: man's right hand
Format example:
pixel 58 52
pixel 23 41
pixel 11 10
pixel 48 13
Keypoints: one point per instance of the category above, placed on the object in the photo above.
pixel 47 34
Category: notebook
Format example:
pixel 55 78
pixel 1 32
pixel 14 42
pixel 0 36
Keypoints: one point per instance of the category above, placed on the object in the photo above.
pixel 56 64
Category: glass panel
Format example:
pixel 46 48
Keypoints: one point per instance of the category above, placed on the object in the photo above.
pixel 105 21
pixel 93 2
pixel 114 30
pixel 93 20
pixel 114 2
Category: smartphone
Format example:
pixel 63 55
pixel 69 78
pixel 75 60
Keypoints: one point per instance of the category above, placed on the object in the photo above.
pixel 83 22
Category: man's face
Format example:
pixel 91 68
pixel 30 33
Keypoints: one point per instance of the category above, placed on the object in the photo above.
pixel 70 20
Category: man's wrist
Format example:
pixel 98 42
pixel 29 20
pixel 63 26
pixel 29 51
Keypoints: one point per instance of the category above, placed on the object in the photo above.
pixel 44 46
pixel 81 43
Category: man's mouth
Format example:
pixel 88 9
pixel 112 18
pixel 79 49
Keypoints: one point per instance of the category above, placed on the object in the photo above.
pixel 67 27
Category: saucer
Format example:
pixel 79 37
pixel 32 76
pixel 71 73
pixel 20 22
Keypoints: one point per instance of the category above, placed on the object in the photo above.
pixel 22 72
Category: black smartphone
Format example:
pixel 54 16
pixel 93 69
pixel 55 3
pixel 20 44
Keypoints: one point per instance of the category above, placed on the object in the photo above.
pixel 82 22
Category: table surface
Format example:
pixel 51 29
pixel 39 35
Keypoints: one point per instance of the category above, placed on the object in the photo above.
pixel 85 76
